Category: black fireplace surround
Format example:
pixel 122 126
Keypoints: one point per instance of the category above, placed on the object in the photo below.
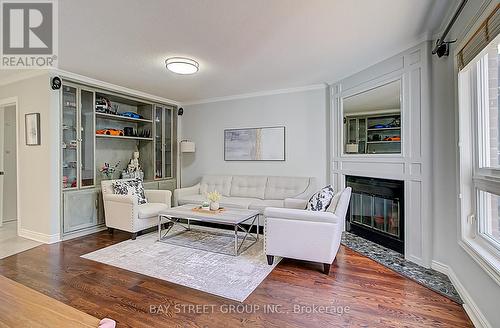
pixel 376 211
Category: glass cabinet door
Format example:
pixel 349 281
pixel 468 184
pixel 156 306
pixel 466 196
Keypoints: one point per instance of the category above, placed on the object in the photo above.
pixel 163 142
pixel 168 142
pixel 352 131
pixel 362 135
pixel 87 135
pixel 69 137
pixel 158 117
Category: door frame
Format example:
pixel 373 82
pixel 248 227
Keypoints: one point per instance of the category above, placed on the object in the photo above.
pixel 7 102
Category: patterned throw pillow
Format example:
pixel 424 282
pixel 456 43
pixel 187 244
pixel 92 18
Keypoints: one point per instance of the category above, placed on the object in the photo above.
pixel 321 200
pixel 130 187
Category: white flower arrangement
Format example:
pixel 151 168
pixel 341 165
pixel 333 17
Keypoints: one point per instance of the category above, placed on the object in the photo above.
pixel 214 196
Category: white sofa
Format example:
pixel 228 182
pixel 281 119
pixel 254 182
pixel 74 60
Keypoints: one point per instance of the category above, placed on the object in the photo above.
pixel 251 192
pixel 123 212
pixel 306 235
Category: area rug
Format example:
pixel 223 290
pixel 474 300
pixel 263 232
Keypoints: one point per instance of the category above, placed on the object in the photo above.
pixel 429 278
pixel 232 277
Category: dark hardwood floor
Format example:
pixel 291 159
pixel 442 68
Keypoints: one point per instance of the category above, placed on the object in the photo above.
pixel 368 294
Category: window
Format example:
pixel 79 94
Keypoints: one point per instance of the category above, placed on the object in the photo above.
pixel 488 216
pixel 479 99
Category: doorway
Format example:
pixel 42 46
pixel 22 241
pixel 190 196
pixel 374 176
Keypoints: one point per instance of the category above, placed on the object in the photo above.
pixel 8 165
pixel 10 242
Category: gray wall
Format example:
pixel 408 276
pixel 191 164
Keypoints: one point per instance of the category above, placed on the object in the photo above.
pixel 304 114
pixel 10 178
pixel 482 289
pixel 39 180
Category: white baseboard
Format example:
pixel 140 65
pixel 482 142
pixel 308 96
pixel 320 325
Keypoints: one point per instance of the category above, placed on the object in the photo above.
pixel 416 260
pixel 470 307
pixel 440 267
pixel 83 233
pixel 37 236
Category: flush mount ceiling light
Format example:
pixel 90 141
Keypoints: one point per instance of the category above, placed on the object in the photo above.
pixel 181 65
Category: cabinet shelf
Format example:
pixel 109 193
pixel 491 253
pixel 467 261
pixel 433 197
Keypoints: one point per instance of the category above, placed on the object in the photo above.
pixel 122 137
pixel 122 118
pixel 382 142
pixel 383 129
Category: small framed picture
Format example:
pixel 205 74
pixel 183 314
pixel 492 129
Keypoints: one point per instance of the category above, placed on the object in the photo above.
pixel 32 126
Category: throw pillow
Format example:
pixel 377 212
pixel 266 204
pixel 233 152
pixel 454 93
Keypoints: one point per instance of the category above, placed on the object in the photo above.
pixel 321 200
pixel 335 201
pixel 130 187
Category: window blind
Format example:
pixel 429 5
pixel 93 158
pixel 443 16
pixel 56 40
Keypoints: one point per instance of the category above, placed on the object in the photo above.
pixel 488 30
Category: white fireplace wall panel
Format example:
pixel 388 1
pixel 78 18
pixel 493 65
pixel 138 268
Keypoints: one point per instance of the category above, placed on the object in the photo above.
pixel 413 165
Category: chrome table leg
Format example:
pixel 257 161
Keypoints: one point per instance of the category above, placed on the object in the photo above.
pixel 236 240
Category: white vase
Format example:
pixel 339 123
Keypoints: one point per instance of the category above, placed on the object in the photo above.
pixel 214 206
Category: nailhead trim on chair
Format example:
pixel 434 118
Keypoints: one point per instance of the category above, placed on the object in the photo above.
pixel 265 229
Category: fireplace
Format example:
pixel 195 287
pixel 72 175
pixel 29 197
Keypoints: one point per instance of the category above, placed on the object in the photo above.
pixel 376 211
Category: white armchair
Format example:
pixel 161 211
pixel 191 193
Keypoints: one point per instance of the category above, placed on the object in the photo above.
pixel 306 235
pixel 123 212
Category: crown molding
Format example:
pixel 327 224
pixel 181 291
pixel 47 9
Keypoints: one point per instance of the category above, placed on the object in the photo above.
pixel 257 94
pixel 110 86
pixel 22 76
pixel 408 47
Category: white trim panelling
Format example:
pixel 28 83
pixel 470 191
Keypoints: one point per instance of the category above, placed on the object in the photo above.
pixel 257 94
pixel 413 165
pixel 470 307
pixel 111 87
pixel 37 236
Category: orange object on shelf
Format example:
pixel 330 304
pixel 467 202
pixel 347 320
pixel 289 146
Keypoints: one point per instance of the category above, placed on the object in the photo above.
pixel 394 138
pixel 110 132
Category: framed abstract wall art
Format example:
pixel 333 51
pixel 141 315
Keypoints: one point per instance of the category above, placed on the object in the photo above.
pixel 255 144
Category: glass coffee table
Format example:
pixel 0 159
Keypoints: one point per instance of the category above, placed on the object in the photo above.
pixel 242 221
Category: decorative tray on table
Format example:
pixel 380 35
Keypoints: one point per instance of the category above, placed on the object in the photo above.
pixel 200 209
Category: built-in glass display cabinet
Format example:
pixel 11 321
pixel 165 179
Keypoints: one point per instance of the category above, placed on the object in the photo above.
pixel 80 198
pixel 374 134
pixel 101 129
pixel 164 156
pixel 77 138
pixel 69 137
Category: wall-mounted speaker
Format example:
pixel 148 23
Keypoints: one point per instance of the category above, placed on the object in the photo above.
pixel 180 111
pixel 55 83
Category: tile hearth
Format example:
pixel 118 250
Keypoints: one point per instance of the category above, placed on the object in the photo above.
pixel 429 278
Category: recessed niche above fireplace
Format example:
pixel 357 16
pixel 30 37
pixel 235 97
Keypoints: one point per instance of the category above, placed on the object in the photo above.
pixel 376 211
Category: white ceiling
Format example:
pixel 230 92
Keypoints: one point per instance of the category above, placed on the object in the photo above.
pixel 385 97
pixel 242 46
